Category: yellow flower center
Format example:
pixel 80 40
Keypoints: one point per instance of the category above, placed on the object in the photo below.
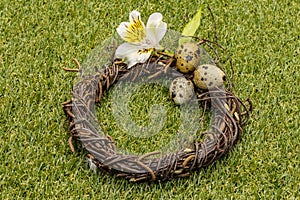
pixel 135 32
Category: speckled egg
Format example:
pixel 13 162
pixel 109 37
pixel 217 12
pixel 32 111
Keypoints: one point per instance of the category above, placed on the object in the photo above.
pixel 187 56
pixel 208 76
pixel 181 90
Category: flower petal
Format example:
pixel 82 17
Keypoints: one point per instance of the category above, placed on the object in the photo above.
pixel 134 16
pixel 132 54
pixel 155 18
pixel 126 48
pixel 122 29
pixel 155 28
pixel 137 57
pixel 133 31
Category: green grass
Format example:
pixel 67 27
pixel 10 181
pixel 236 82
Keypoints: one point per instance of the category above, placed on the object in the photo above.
pixel 38 39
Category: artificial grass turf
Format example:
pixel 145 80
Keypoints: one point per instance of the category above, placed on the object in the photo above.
pixel 39 38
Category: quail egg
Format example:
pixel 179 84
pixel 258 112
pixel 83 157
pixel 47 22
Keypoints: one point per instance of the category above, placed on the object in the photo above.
pixel 208 76
pixel 187 56
pixel 181 90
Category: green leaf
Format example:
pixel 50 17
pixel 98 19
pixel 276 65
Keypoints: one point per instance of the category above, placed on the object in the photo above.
pixel 191 27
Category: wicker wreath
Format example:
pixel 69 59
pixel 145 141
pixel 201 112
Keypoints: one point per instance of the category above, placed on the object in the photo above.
pixel 230 114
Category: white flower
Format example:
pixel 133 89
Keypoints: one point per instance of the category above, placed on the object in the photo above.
pixel 140 40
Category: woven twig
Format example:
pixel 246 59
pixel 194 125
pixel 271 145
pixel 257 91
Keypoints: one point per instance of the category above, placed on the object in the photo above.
pixel 230 114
